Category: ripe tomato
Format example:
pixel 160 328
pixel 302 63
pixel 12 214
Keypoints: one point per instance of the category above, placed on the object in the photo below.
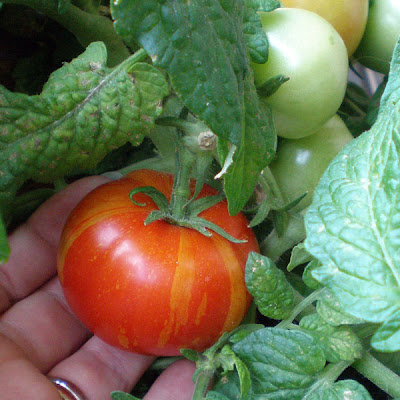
pixel 300 163
pixel 307 49
pixel 380 37
pixel 158 288
pixel 348 17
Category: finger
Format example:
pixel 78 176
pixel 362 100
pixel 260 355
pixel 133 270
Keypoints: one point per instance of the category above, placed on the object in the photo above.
pixel 33 246
pixel 175 383
pixel 43 327
pixel 19 379
pixel 98 369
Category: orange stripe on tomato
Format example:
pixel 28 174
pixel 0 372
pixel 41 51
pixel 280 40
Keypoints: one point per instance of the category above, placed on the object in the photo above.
pixel 181 288
pixel 238 292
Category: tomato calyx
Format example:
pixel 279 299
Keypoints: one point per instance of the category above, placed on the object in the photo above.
pixel 184 209
pixel 189 219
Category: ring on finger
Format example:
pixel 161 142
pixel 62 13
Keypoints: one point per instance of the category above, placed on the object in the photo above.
pixel 67 390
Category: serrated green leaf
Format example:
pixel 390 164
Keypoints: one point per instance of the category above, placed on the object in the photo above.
pixel 330 310
pixel 353 224
pixel 256 39
pixel 201 46
pixel 215 82
pixel 337 343
pixel 283 364
pixel 258 144
pixel 84 111
pixel 271 292
pixel 387 337
pixel 268 5
pixel 342 390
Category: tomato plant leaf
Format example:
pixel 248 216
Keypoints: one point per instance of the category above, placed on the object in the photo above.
pixel 330 310
pixel 256 39
pixel 201 46
pixel 84 111
pixel 267 284
pixel 214 81
pixel 337 343
pixel 257 148
pixel 387 337
pixel 344 389
pixel 283 364
pixel 353 224
pixel 268 5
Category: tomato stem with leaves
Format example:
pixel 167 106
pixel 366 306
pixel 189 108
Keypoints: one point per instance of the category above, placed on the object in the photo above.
pixel 183 210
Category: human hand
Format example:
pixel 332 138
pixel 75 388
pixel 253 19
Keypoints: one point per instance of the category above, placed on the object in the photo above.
pixel 39 335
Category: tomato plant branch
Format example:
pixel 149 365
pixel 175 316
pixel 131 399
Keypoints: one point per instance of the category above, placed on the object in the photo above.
pixel 86 27
pixel 379 374
pixel 306 302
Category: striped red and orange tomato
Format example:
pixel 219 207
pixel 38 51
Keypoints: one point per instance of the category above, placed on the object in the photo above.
pixel 158 288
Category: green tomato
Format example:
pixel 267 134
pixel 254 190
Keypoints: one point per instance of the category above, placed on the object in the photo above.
pixel 348 17
pixel 380 36
pixel 300 163
pixel 307 49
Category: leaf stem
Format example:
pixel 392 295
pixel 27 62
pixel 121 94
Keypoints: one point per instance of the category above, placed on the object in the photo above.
pixel 86 27
pixel 284 324
pixel 379 374
pixel 203 381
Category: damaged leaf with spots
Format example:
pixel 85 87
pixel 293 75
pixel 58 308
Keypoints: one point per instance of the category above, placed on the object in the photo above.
pixel 84 110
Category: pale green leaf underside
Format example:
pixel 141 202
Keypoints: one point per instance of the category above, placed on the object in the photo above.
pixel 353 225
pixel 84 111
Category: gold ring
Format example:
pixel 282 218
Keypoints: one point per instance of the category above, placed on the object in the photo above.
pixel 67 390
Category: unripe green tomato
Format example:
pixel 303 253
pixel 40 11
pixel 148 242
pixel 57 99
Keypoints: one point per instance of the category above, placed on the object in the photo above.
pixel 380 36
pixel 307 49
pixel 348 17
pixel 300 163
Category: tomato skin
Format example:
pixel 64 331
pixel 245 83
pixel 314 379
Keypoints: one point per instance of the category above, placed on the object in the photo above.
pixel 348 17
pixel 300 163
pixel 380 36
pixel 152 289
pixel 307 49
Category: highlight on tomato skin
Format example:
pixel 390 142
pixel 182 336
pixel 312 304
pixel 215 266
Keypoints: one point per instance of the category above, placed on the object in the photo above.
pixel 158 288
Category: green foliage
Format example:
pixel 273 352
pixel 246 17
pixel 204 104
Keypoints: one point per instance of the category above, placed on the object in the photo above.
pixel 267 284
pixel 283 364
pixel 353 226
pixel 214 81
pixel 84 111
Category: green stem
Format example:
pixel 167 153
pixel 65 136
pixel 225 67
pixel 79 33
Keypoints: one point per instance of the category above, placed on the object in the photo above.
pixel 306 302
pixel 86 27
pixel 203 381
pixel 273 246
pixel 181 190
pixel 379 374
